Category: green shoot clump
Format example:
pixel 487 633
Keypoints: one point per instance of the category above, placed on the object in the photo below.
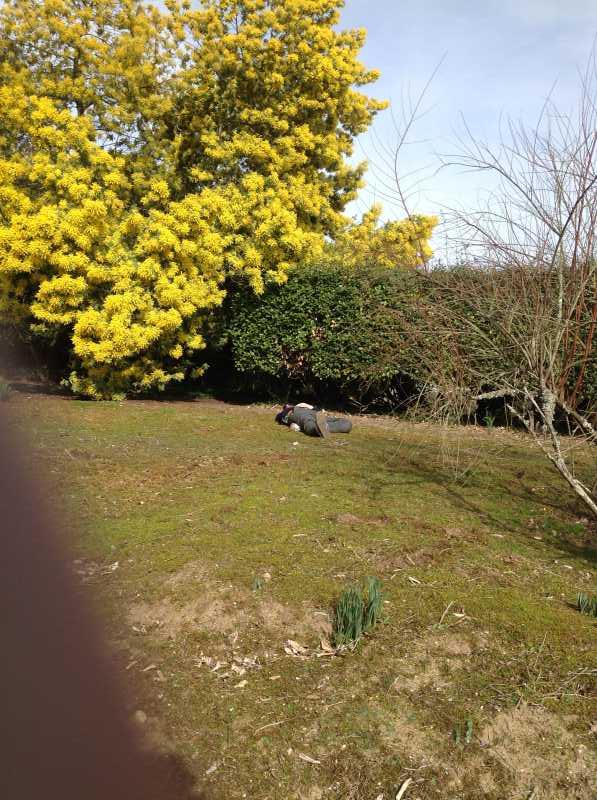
pixel 357 611
pixel 587 604
pixel 373 599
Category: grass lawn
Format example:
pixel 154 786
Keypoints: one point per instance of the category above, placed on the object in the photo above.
pixel 208 537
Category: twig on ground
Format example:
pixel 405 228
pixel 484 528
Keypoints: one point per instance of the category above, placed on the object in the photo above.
pixel 269 725
pixel 308 759
pixel 403 788
pixel 447 608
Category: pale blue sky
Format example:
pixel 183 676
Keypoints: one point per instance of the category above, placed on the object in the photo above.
pixel 502 57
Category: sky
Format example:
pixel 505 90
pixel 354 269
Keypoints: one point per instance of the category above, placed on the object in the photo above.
pixel 500 58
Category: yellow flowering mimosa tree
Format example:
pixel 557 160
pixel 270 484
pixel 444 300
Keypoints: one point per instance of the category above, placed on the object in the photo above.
pixel 151 157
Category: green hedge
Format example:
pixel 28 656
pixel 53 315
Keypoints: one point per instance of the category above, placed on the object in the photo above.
pixel 372 336
pixel 329 330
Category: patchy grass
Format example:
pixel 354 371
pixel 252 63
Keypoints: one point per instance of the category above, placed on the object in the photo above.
pixel 208 536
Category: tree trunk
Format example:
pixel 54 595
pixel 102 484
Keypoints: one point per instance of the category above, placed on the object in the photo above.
pixel 554 454
pixel 548 408
pixel 576 485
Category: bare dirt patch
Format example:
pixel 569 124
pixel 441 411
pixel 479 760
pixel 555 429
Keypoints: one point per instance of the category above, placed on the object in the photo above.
pixel 194 467
pixel 432 660
pixel 394 562
pixel 87 570
pixel 398 731
pixel 193 572
pixel 221 609
pixel 287 621
pixel 525 752
pixel 539 754
pixel 169 618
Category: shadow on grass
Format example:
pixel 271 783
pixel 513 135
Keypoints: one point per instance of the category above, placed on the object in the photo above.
pixel 419 466
pixel 582 544
pixel 40 387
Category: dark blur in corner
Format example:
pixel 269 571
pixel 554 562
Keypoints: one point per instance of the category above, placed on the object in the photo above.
pixel 64 733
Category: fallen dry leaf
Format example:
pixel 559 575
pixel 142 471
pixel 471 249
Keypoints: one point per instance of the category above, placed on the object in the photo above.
pixel 295 649
pixel 326 646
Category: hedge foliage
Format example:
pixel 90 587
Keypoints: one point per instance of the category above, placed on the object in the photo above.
pixel 330 329
pixel 380 336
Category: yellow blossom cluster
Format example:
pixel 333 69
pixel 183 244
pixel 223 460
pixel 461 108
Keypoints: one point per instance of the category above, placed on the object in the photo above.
pixel 398 243
pixel 131 285
pixel 270 87
pixel 111 61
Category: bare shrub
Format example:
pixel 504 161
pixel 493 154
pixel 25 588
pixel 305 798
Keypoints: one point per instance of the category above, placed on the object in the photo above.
pixel 518 321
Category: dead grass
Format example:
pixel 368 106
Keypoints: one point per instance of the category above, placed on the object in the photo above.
pixel 433 660
pixel 538 753
pixel 217 608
